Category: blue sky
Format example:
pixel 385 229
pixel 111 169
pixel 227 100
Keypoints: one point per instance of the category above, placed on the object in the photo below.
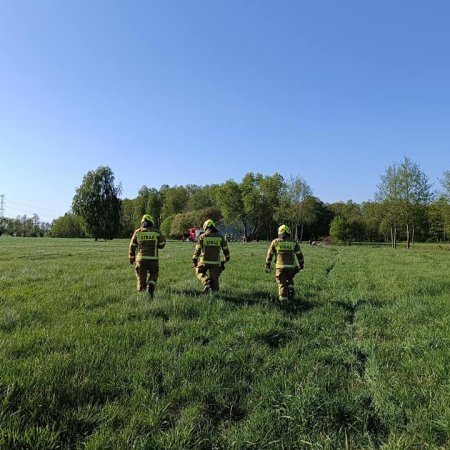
pixel 199 92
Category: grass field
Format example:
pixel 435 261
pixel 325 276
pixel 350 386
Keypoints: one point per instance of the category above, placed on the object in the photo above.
pixel 361 360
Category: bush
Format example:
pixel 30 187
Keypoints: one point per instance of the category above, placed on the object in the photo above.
pixel 340 230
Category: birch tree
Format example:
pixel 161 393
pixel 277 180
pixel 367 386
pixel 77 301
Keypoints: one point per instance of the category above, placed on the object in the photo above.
pixel 297 206
pixel 404 191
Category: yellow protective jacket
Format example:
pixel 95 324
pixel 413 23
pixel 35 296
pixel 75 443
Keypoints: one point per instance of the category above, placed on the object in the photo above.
pixel 207 250
pixel 147 241
pixel 286 251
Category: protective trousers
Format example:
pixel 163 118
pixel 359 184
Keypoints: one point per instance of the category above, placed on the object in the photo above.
pixel 211 281
pixel 146 275
pixel 285 281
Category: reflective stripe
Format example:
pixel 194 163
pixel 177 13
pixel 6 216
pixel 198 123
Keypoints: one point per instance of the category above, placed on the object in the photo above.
pixel 147 236
pixel 214 263
pixel 212 241
pixel 148 241
pixel 285 266
pixel 285 246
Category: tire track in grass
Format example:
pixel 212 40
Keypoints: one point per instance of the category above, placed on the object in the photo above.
pixel 330 268
pixel 374 423
pixel 368 421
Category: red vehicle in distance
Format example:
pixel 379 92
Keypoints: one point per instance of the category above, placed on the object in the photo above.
pixel 194 233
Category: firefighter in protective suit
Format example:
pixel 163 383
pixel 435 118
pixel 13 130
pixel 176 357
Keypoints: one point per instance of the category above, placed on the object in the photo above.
pixel 289 261
pixel 206 258
pixel 147 239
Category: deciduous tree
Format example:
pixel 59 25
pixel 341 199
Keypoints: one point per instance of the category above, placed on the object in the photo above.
pixel 97 202
pixel 203 197
pixel 174 201
pixel 389 195
pixel 230 202
pixel 404 191
pixel 445 183
pixel 340 229
pixel 148 201
pixel 68 226
pixel 297 206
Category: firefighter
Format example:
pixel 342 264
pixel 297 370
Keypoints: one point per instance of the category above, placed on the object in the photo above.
pixel 289 261
pixel 148 240
pixel 206 258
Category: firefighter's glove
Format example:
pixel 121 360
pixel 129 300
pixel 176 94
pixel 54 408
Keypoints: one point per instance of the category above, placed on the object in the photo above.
pixel 302 266
pixel 131 260
pixel 227 258
pixel 194 262
pixel 222 266
pixel 267 268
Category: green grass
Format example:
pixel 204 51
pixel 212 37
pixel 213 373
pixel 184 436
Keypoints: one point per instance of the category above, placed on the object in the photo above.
pixel 360 360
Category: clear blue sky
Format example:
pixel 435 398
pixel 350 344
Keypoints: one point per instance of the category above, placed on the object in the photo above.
pixel 198 92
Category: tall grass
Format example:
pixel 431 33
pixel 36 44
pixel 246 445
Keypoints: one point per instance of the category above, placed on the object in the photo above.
pixel 360 360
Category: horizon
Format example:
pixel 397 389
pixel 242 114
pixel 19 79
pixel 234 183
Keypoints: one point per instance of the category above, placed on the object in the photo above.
pixel 435 189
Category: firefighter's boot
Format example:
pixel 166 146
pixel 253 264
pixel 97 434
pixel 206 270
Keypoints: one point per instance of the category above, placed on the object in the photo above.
pixel 206 286
pixel 151 289
pixel 291 292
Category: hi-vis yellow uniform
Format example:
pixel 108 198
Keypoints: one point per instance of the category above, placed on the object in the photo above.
pixel 289 260
pixel 207 258
pixel 147 241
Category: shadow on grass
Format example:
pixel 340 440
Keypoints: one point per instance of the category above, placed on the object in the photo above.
pixel 352 307
pixel 191 292
pixel 297 307
pixel 255 298
pixel 292 307
pixel 275 338
pixel 219 413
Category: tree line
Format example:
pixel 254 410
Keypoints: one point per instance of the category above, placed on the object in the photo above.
pixel 24 226
pixel 405 207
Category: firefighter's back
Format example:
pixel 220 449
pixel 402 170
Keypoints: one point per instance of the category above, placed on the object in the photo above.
pixel 211 242
pixel 285 252
pixel 147 240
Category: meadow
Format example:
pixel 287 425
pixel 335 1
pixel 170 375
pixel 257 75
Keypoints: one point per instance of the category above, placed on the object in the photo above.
pixel 360 360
